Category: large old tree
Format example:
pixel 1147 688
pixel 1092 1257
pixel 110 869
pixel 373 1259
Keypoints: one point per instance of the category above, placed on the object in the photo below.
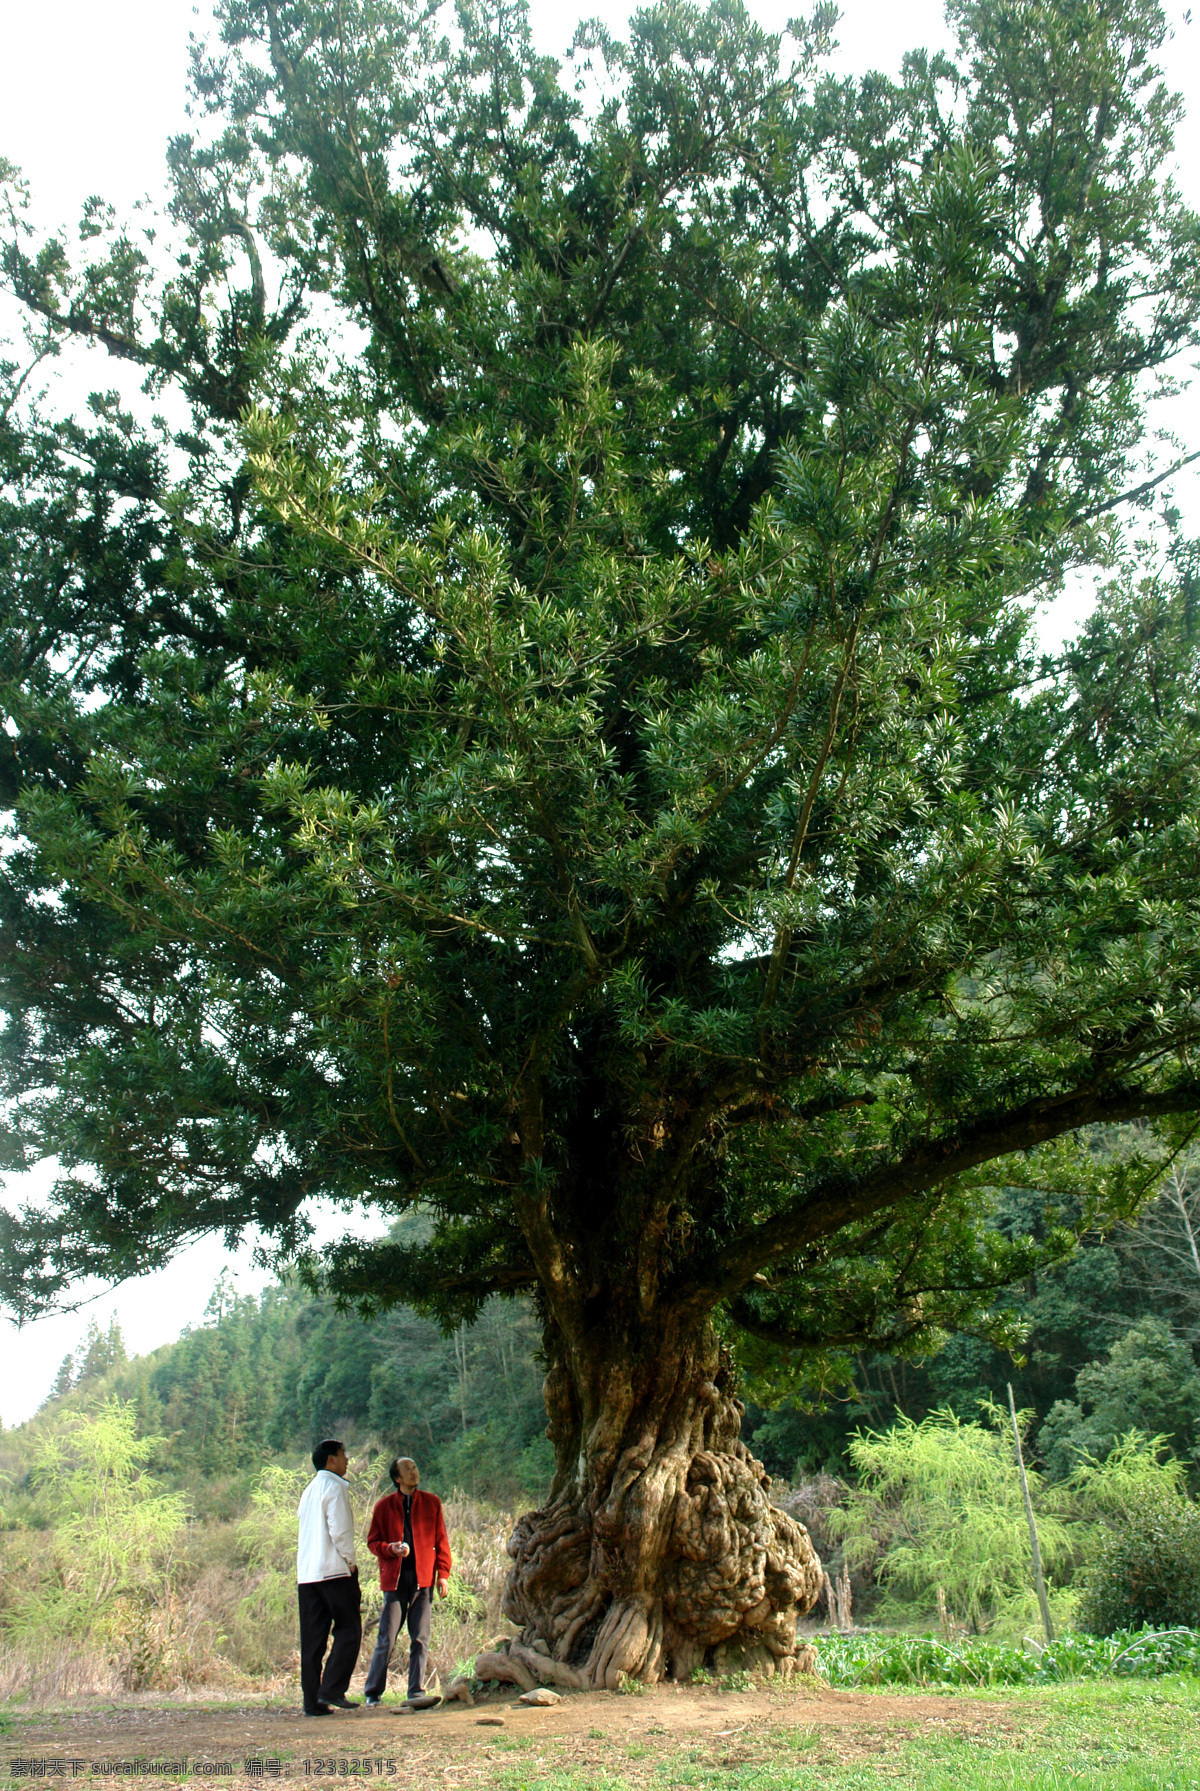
pixel 556 743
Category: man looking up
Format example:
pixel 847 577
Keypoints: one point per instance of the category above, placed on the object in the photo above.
pixel 408 1537
pixel 327 1584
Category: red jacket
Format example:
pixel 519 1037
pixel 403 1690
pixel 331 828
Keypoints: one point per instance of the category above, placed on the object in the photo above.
pixel 431 1545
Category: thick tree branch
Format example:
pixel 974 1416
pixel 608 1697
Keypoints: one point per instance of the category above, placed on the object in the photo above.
pixel 1147 485
pixel 825 1211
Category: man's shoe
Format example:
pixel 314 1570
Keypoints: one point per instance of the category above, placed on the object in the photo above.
pixel 371 1702
pixel 318 1710
pixel 343 1703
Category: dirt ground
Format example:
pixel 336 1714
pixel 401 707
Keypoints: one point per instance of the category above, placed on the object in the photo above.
pixel 451 1746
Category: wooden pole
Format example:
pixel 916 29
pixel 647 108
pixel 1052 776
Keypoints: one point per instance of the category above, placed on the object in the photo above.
pixel 1038 1581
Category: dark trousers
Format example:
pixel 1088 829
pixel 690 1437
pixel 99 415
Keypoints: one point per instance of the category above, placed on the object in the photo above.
pixel 410 1604
pixel 326 1603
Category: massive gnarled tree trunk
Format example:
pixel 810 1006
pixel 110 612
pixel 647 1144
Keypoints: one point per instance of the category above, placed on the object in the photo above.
pixel 659 1549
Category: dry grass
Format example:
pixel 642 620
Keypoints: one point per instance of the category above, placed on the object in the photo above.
pixel 50 1673
pixel 225 1625
pixel 471 1616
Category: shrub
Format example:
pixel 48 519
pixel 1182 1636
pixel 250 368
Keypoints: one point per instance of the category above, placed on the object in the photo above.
pixel 1136 1473
pixel 1146 1572
pixel 939 1505
pixel 262 1626
pixel 111 1535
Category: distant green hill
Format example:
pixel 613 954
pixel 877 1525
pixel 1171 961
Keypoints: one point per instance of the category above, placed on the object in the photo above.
pixel 266 1377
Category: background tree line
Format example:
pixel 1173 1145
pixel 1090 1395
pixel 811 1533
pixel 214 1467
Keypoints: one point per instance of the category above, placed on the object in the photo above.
pixel 265 1375
pixel 1107 1338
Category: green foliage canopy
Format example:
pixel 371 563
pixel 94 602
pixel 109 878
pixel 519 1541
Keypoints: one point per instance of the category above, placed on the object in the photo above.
pixel 1149 1383
pixel 558 741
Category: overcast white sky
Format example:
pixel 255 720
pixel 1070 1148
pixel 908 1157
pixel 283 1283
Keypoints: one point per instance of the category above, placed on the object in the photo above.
pixel 90 93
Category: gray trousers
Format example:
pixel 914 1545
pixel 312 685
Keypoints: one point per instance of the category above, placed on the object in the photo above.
pixel 411 1604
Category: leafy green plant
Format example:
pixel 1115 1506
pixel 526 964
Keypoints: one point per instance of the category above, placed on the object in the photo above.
pixel 1142 1558
pixel 1137 1471
pixel 939 1505
pixel 927 1660
pixel 461 1600
pixel 261 1630
pixel 111 1528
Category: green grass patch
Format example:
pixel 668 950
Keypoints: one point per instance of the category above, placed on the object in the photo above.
pixel 1101 1735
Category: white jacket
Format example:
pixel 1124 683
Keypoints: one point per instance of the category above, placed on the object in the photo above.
pixel 325 1550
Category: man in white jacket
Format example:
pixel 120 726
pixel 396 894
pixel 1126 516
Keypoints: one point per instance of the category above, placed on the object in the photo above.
pixel 327 1585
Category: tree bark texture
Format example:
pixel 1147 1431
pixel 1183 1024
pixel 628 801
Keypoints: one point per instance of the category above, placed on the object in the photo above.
pixel 659 1549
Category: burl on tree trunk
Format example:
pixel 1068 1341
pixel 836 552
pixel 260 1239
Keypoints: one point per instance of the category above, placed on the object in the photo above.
pixel 659 1549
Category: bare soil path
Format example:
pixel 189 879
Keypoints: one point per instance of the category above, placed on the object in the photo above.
pixel 176 1742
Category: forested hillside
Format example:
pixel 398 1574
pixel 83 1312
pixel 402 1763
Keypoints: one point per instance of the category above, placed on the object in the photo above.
pixel 263 1377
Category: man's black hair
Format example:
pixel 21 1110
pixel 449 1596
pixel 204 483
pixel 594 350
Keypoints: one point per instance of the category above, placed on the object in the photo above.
pixel 323 1451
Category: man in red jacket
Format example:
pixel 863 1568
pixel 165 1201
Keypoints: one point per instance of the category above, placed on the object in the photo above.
pixel 408 1537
